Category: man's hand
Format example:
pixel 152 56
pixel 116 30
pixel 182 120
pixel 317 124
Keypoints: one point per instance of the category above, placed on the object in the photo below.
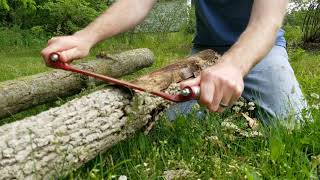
pixel 70 47
pixel 113 21
pixel 223 84
pixel 220 85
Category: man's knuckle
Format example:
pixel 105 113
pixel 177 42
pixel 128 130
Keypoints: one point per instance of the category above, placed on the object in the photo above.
pixel 208 74
pixel 221 80
pixel 238 91
pixel 206 102
pixel 232 85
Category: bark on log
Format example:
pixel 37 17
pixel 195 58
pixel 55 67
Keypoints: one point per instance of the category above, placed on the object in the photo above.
pixel 18 95
pixel 61 139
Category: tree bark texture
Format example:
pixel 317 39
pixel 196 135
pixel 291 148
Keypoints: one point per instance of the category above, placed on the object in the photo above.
pixel 18 95
pixel 61 139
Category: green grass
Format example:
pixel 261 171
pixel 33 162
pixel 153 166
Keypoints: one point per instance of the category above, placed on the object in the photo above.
pixel 20 62
pixel 307 71
pixel 17 60
pixel 187 144
pixel 204 148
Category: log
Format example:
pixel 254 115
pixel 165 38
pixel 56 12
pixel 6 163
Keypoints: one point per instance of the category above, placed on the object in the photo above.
pixel 21 94
pixel 61 139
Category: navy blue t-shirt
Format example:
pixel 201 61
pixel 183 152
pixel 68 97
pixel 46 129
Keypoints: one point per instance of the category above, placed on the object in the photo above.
pixel 221 22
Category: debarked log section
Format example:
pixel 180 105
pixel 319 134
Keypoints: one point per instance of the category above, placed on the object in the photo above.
pixel 61 139
pixel 18 95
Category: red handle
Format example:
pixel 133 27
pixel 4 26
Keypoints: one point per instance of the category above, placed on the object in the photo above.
pixel 55 62
pixel 186 94
pixel 193 91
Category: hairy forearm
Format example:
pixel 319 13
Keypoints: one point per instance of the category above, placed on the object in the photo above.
pixel 259 36
pixel 120 17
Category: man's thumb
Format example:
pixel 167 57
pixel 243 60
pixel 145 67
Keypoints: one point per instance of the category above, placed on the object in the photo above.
pixel 190 83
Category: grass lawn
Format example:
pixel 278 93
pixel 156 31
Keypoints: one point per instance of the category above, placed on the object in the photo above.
pixel 190 147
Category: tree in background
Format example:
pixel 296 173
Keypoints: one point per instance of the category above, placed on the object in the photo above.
pixel 67 16
pixel 311 26
pixel 17 12
pixel 52 16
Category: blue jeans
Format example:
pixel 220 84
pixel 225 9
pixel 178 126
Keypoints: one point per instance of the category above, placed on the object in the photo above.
pixel 271 84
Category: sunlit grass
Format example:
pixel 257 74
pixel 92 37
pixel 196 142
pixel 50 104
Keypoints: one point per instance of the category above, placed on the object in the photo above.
pixel 203 148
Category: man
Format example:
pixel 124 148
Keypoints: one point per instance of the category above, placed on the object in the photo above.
pixel 248 33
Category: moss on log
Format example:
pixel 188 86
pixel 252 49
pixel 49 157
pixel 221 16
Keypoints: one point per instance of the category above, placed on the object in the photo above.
pixel 61 139
pixel 23 93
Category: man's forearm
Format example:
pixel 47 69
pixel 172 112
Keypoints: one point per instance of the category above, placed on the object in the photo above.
pixel 120 17
pixel 259 37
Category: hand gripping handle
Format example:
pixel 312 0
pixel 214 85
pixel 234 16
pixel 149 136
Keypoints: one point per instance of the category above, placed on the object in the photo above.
pixel 193 92
pixel 186 94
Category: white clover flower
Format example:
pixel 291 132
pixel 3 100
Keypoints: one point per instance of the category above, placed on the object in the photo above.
pixel 251 104
pixel 236 109
pixel 123 177
pixel 315 95
pixel 251 108
pixel 239 103
pixel 315 106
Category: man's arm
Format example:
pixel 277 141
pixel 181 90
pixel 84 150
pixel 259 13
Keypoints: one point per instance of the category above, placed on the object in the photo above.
pixel 120 17
pixel 260 35
pixel 223 83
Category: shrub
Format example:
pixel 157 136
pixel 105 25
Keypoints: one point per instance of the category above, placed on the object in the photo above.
pixel 189 27
pixel 38 31
pixel 17 12
pixel 295 18
pixel 293 35
pixel 67 16
pixel 311 25
pixel 14 37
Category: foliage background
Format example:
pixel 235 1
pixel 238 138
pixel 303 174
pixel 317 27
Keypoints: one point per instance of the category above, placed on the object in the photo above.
pixel 50 16
pixel 55 17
